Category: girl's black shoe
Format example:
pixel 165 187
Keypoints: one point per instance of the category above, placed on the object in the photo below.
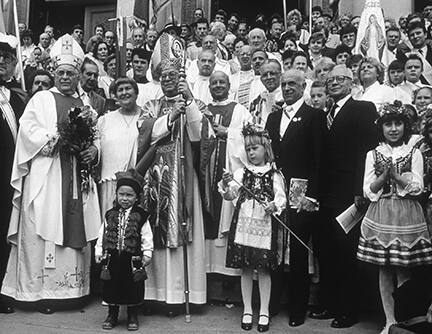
pixel 247 326
pixel 264 328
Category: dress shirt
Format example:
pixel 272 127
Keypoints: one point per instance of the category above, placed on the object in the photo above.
pixel 84 96
pixel 288 114
pixel 340 104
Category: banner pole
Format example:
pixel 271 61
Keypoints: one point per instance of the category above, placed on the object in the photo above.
pixel 19 55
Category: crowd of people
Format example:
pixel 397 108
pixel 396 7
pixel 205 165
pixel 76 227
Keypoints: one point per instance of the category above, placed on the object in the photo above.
pixel 244 157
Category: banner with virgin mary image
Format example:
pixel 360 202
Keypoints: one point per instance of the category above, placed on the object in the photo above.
pixel 371 36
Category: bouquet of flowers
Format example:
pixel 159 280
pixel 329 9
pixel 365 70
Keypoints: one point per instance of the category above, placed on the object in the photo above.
pixel 77 133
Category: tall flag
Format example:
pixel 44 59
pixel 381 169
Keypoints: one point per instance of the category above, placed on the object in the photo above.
pixel 162 12
pixel 371 36
pixel 334 6
pixel 141 11
pixel 135 12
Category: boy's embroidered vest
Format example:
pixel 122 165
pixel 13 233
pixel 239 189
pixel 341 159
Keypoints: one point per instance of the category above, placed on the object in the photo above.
pixel 131 240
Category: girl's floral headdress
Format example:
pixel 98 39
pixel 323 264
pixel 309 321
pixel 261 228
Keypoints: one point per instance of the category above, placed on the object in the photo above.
pixel 392 109
pixel 251 129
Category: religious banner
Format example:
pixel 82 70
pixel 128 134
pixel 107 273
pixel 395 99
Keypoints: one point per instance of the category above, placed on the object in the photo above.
pixel 135 12
pixel 6 17
pixel 371 37
pixel 162 12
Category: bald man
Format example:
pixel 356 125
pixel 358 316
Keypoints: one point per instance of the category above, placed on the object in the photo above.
pixel 241 82
pixel 206 65
pixel 261 107
pixel 45 42
pixel 228 120
pixel 297 133
pixel 209 42
pixel 257 39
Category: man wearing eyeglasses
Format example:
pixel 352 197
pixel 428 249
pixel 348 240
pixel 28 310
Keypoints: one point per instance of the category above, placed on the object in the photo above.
pixel 160 120
pixel 11 107
pixel 262 106
pixel 53 220
pixel 351 134
pixel 297 134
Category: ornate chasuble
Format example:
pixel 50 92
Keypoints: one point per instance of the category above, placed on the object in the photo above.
pixel 72 205
pixel 222 114
pixel 168 194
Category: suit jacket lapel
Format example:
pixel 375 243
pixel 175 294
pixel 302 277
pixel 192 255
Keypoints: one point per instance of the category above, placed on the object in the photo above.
pixel 343 110
pixel 293 126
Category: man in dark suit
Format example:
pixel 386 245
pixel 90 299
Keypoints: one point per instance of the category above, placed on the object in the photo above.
pixel 351 134
pixel 297 132
pixel 88 85
pixel 13 101
pixel 417 35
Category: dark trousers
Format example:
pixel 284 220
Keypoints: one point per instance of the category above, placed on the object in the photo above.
pixel 338 264
pixel 4 258
pixel 297 279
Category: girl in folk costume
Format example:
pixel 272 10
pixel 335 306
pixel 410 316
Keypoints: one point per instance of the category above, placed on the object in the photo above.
pixel 124 248
pixel 394 234
pixel 252 240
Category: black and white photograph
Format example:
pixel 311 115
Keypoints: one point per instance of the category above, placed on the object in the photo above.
pixel 216 166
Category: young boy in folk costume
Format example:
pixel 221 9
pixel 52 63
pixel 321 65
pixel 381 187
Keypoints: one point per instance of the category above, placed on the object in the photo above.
pixel 252 240
pixel 124 248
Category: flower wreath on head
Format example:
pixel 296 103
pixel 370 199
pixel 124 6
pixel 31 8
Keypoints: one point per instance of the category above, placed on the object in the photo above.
pixel 251 129
pixel 395 108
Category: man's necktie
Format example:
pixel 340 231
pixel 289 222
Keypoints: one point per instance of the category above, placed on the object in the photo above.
pixel 331 115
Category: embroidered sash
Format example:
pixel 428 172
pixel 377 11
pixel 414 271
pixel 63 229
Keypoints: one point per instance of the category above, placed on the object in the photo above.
pixel 8 113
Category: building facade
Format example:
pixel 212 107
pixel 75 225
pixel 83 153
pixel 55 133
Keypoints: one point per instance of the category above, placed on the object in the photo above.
pixel 64 14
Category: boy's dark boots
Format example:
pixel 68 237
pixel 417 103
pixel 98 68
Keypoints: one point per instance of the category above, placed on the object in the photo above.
pixel 132 320
pixel 112 318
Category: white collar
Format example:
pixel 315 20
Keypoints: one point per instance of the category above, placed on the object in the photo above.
pixel 423 50
pixel 342 102
pixel 203 78
pixel 55 90
pixel 81 91
pixel 296 105
pixel 275 92
pixel 172 98
pixel 259 169
pixel 221 103
pixel 395 151
pixel 375 85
